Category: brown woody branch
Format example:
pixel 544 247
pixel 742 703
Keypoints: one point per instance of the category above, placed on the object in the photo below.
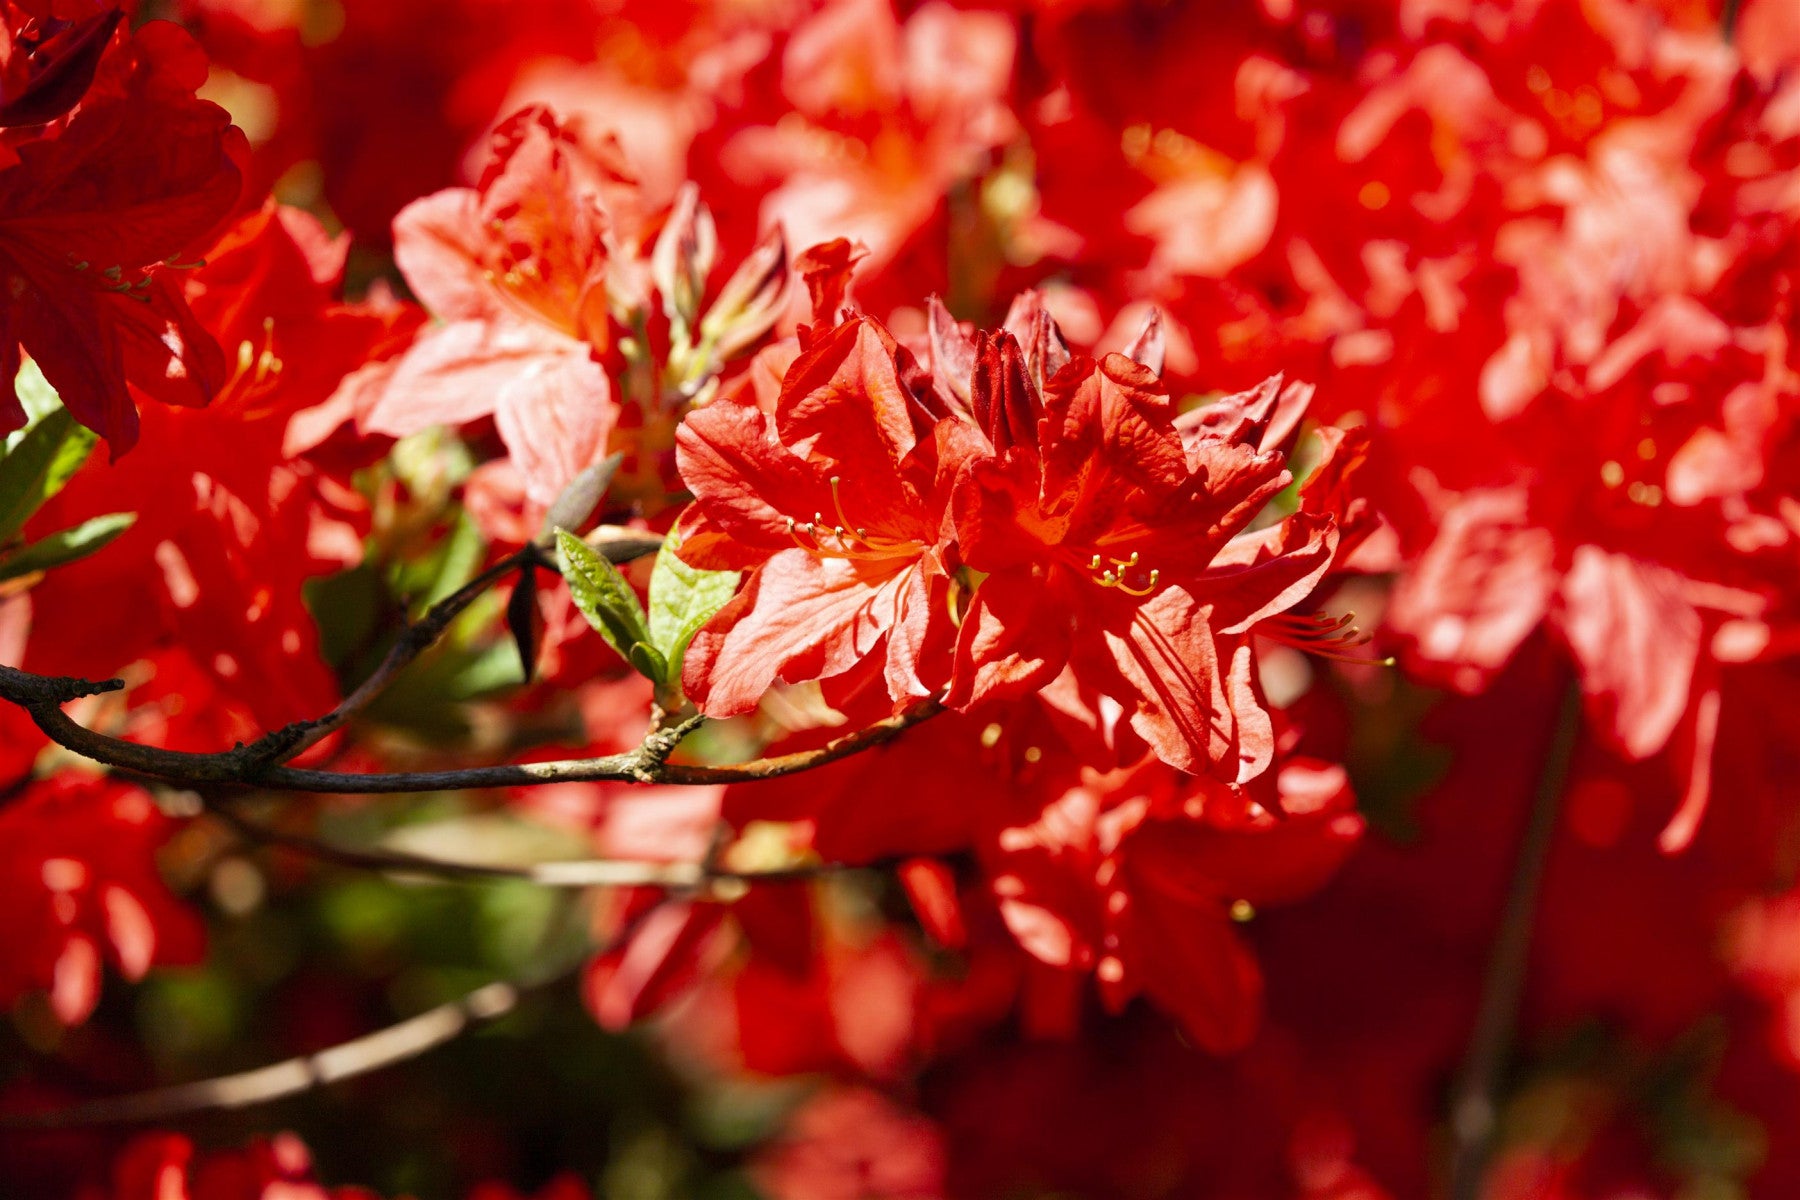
pixel 284 744
pixel 262 763
pixel 43 696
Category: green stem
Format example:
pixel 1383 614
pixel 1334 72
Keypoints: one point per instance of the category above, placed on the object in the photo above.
pixel 1474 1109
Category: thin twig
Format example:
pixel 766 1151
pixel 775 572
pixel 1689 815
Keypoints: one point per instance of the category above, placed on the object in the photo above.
pixel 571 873
pixel 359 1056
pixel 286 743
pixel 1474 1112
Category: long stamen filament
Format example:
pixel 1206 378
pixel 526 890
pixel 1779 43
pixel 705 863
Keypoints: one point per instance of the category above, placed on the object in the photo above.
pixel 1148 587
pixel 837 501
pixel 795 529
pixel 1321 636
pixel 1114 576
pixel 857 535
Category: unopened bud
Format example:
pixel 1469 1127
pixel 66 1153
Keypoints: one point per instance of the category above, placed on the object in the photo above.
pixel 751 301
pixel 684 256
pixel 952 352
pixel 1046 350
pixel 1148 347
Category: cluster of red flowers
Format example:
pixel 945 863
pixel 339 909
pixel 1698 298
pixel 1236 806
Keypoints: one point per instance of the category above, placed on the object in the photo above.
pixel 1021 411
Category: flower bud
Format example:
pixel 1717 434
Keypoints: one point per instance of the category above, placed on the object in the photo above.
pixel 684 256
pixel 752 300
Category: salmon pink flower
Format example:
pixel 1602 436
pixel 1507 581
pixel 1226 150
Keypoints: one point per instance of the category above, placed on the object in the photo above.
pixel 517 269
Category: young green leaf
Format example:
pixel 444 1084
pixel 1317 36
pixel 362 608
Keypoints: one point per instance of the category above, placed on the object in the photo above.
pixel 649 663
pixel 682 599
pixel 577 502
pixel 65 546
pixel 37 462
pixel 601 594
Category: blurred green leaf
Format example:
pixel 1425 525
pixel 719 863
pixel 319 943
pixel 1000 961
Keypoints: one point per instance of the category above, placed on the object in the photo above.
pixel 368 917
pixel 453 562
pixel 428 700
pixel 189 1014
pixel 65 546
pixel 514 920
pixel 349 608
pixel 479 672
pixel 36 396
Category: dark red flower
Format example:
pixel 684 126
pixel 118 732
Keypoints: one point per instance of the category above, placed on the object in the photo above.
pixel 233 516
pixel 78 874
pixel 47 64
pixel 1136 877
pixel 89 220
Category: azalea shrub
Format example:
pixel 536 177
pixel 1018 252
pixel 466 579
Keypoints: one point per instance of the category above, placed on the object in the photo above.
pixel 857 598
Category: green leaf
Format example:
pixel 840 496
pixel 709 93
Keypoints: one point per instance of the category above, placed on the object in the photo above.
pixel 65 546
pixel 577 502
pixel 682 599
pixel 41 458
pixel 648 662
pixel 601 594
pixel 453 562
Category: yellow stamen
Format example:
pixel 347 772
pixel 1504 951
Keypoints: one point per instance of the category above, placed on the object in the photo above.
pixel 1143 591
pixel 1115 575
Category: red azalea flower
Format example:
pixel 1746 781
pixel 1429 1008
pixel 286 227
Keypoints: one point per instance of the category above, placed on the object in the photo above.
pixel 836 502
pixel 1105 538
pixel 1135 877
pixel 47 64
pixel 1630 528
pixel 232 519
pixel 943 789
pixel 78 874
pixel 165 1166
pixel 847 1143
pixel 88 220
pixel 882 118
